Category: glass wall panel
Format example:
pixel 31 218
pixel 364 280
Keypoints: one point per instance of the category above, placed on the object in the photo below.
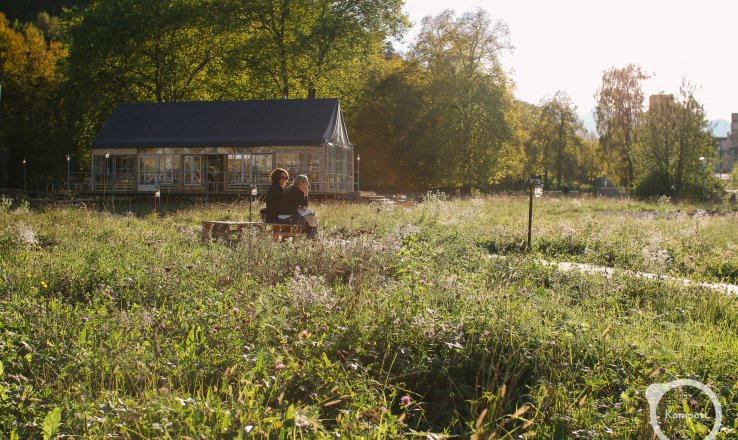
pixel 290 162
pixel 169 169
pixel 155 169
pixel 192 170
pixel 148 168
pixel 310 165
pixel 239 169
pixel 261 166
pixel 235 168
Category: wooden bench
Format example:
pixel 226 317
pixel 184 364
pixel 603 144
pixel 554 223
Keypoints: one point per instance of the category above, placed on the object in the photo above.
pixel 233 231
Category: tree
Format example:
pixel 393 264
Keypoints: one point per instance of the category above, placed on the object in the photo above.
pixel 734 178
pixel 526 119
pixel 469 98
pixel 673 138
pixel 557 137
pixel 32 111
pixel 391 129
pixel 589 159
pixel 619 106
pixel 189 50
pixel 444 117
pixel 49 26
pixel 303 47
pixel 143 51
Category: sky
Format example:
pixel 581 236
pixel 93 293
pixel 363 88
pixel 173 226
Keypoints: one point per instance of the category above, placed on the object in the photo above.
pixel 568 44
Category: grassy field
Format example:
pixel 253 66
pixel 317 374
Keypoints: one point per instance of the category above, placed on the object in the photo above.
pixel 426 321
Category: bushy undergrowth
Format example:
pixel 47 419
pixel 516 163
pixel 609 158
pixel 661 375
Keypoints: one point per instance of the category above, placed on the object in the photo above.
pixel 423 321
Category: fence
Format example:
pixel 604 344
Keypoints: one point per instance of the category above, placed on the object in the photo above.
pixel 615 192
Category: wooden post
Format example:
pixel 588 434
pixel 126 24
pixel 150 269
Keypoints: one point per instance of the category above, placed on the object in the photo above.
pixel 530 215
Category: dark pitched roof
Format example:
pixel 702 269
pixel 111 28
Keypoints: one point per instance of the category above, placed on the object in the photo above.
pixel 285 122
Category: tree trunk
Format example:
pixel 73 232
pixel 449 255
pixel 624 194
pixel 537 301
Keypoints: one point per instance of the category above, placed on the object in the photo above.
pixel 560 152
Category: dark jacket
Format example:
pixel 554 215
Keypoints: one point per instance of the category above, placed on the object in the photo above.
pixel 293 198
pixel 273 198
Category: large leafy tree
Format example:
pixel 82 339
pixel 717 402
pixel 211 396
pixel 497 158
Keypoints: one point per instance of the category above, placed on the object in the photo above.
pixel 673 137
pixel 444 117
pixel 306 48
pixel 391 127
pixel 619 106
pixel 469 98
pixel 144 50
pixel 589 159
pixel 163 50
pixel 32 110
pixel 557 137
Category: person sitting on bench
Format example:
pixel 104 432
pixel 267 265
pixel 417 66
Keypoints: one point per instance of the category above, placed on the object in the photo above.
pixel 293 207
pixel 279 178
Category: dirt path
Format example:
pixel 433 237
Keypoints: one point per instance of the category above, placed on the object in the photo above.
pixel 609 271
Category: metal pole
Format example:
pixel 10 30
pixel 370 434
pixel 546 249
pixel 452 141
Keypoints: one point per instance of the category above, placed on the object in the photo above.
pixel 68 183
pixel 25 187
pixel 703 162
pixel 114 183
pixel 251 199
pixel 530 215
pixel 358 173
pixel 105 178
pixel 157 196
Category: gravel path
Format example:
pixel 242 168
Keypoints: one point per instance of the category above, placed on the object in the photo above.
pixel 609 271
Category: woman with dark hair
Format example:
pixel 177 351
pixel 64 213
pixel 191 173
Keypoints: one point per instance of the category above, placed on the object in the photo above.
pixel 273 198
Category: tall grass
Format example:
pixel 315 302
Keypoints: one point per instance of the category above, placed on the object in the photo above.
pixel 426 320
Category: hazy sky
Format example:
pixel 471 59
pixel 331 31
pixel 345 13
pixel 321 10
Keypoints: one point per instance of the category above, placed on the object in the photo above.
pixel 567 44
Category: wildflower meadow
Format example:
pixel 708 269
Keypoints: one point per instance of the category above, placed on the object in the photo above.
pixel 430 320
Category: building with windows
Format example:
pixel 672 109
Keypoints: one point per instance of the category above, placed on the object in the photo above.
pixel 727 148
pixel 222 147
pixel 660 100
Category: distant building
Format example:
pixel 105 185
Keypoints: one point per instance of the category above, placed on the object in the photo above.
pixel 222 147
pixel 727 147
pixel 655 101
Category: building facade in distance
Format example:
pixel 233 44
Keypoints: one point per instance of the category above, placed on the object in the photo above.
pixel 727 147
pixel 222 147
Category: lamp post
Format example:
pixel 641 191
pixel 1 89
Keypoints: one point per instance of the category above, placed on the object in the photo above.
pixel 25 188
pixel 157 196
pixel 68 158
pixel 703 161
pixel 114 180
pixel 105 175
pixel 535 189
pixel 251 198
pixel 358 173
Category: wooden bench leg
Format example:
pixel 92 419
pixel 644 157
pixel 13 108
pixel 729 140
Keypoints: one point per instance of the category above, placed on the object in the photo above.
pixel 207 232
